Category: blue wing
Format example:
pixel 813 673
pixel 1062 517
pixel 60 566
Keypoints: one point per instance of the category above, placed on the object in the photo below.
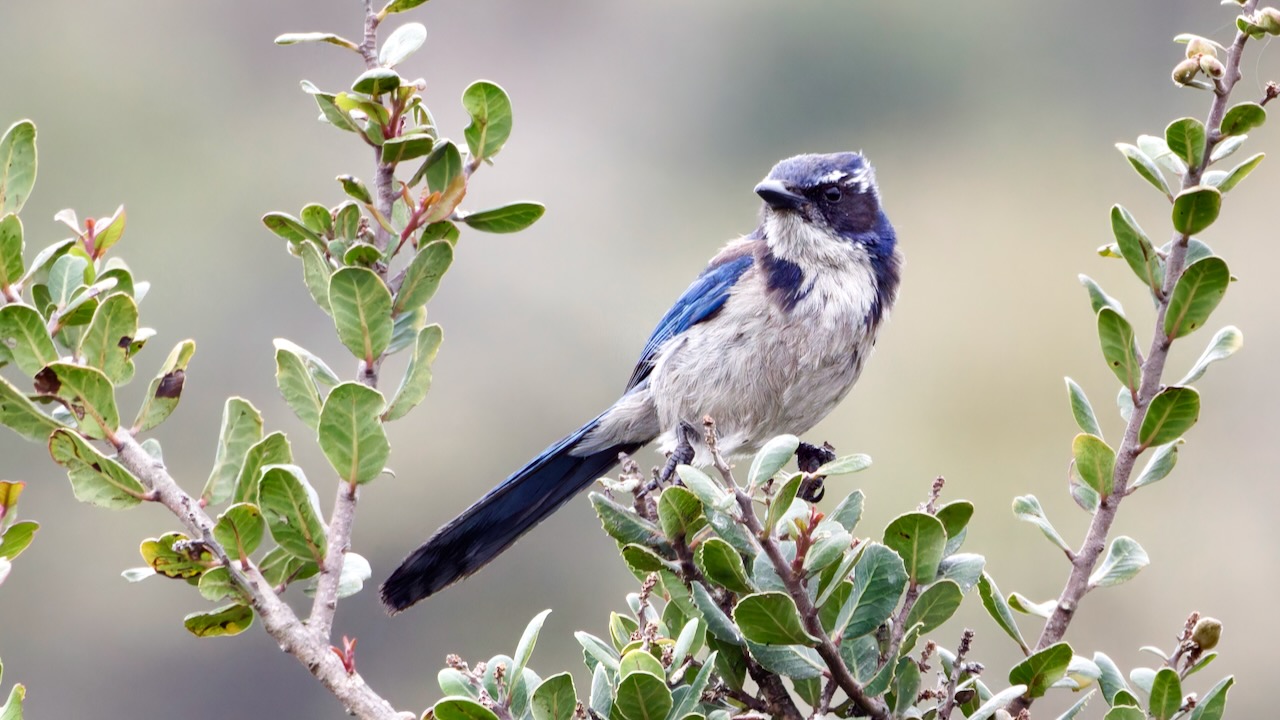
pixel 699 302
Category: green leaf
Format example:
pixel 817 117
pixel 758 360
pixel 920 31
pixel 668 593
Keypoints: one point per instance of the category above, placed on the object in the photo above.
pixel 997 702
pixel 506 219
pixel 793 661
pixel 906 685
pixel 1145 167
pixel 1138 251
pixel 417 376
pixel 95 478
pixel 955 517
pixel 722 565
pixel 108 232
pixel 718 623
pixel 771 618
pixel 693 696
pixel 315 274
pixel 1214 703
pixel 1186 139
pixel 401 43
pixel 23 330
pixel 781 503
pixel 17 538
pixel 1223 345
pixel 105 343
pixel 1124 712
pixel 1081 409
pixel 423 275
pixel 1228 180
pixel 1042 670
pixel 1119 347
pixel 919 538
pixel 239 529
pixel 1166 695
pixel 406 147
pixel 524 650
pixel 964 569
pixel 405 329
pixel 1097 298
pixel 279 567
pixel 771 459
pixel 461 709
pixel 1158 150
pixel 1125 558
pixel 17 165
pixel 623 525
pixel 999 610
pixel 89 394
pixel 223 622
pixel 679 513
pixel 1195 209
pixel 241 429
pixel 334 115
pixel 555 698
pixel 11 249
pixel 1095 462
pixel 173 555
pixel 1110 679
pixel 641 697
pixel 297 387
pixel 849 511
pixel 292 511
pixel 1027 606
pixel 377 81
pixel 1027 509
pixel 640 660
pixel 490 111
pixel 845 465
pixel 1159 466
pixel 879 579
pixel 273 449
pixel 398 6
pixel 215 586
pixel 314 37
pixel 354 188
pixel 1195 297
pixel 290 228
pixel 361 307
pixel 1242 118
pixel 1171 414
pixel 350 432
pixel 601 701
pixel 935 605
pixel 712 495
pixel 443 166
pixel 830 542
pixel 22 416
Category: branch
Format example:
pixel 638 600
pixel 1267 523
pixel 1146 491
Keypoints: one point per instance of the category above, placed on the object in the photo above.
pixel 277 617
pixel 826 647
pixel 1152 372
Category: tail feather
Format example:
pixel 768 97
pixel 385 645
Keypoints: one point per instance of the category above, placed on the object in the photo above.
pixel 469 541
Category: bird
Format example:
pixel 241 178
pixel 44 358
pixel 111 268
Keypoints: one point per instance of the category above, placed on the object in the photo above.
pixel 767 340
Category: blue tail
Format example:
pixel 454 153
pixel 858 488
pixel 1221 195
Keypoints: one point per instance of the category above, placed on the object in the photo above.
pixel 469 541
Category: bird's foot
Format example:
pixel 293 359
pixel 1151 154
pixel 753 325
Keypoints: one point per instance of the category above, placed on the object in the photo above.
pixel 809 458
pixel 686 436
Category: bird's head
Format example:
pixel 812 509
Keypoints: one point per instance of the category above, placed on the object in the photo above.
pixel 818 204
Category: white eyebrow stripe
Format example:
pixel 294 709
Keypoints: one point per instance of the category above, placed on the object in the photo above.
pixel 833 176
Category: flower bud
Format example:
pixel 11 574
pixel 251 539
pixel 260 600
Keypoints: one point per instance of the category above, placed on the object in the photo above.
pixel 1212 66
pixel 1206 633
pixel 1186 71
pixel 1200 46
pixel 1269 20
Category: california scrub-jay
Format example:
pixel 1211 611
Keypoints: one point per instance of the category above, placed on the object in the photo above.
pixel 767 340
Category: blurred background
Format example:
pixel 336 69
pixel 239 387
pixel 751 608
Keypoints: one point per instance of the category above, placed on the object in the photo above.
pixel 643 128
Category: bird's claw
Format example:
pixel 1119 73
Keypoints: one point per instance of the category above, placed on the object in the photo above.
pixel 809 458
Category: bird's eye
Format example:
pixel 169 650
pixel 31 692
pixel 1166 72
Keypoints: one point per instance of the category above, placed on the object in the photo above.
pixel 832 194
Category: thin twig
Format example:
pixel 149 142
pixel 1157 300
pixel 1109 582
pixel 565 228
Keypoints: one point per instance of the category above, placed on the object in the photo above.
pixel 809 614
pixel 1152 371
pixel 278 619
pixel 957 668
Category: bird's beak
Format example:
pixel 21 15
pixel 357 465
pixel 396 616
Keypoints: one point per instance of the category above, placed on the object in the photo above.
pixel 778 196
